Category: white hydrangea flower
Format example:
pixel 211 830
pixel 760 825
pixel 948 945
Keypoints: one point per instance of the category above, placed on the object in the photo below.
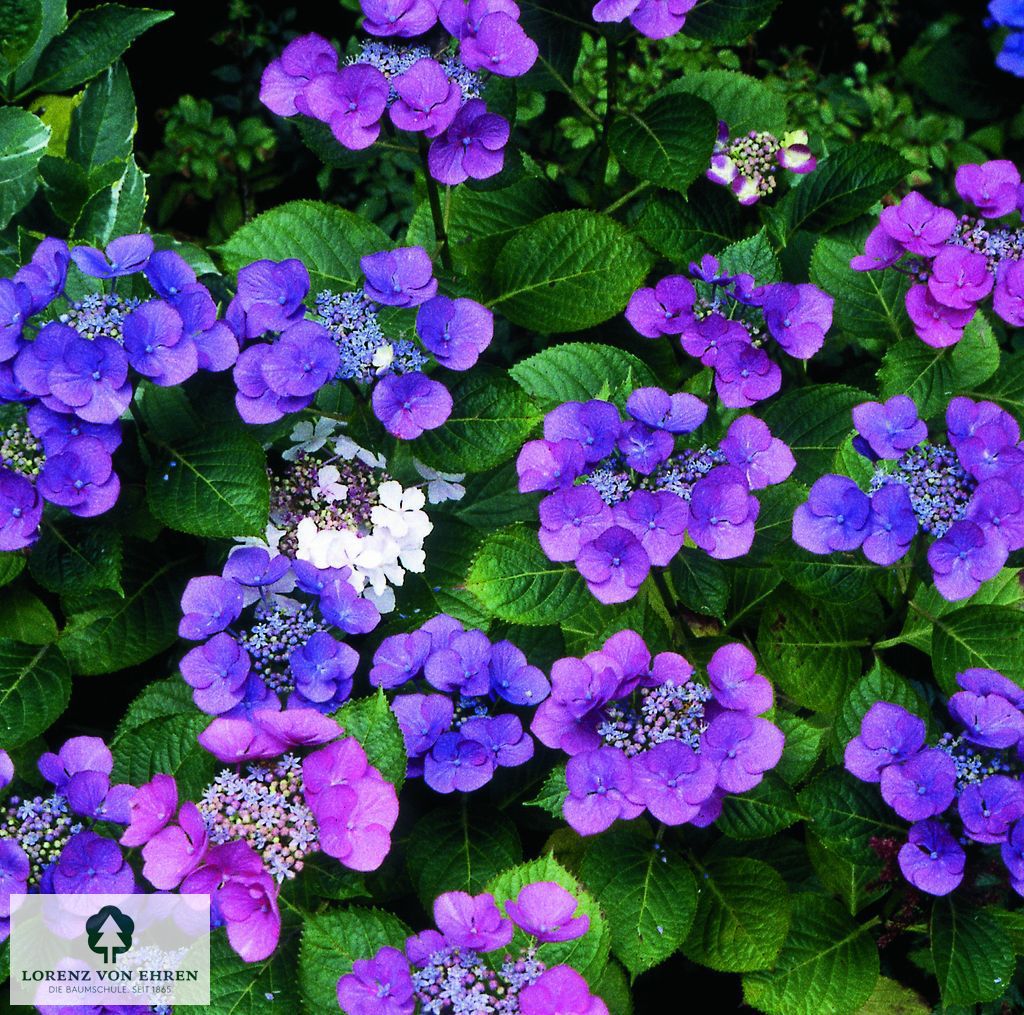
pixel 441 486
pixel 310 437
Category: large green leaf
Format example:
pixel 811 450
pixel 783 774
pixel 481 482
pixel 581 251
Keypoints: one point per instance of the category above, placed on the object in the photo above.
pixel 491 420
pixel 933 376
pixel 650 894
pixel 23 140
pixel 728 21
pixel 743 913
pixel 25 618
pixel 115 210
pixel 103 123
pixel 700 582
pixel 93 40
pixel 828 964
pixel 568 271
pixel 972 952
pixel 991 637
pixel 460 849
pixel 371 721
pixel 77 556
pixel 35 687
pixel 761 812
pixel 327 239
pixel 251 988
pixel 668 143
pixel 515 581
pixel 743 102
pixel 684 230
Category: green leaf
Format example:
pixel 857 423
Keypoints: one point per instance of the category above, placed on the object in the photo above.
pixel 844 186
pixel 212 483
pixel 552 793
pixel 814 422
pixel 77 556
pixel 35 687
pixel 116 210
pixel 669 143
pixel 11 565
pixel 856 882
pixel 811 649
pixel 650 893
pixel 107 632
pixel 460 849
pixel 103 123
pixel 805 740
pixel 728 21
pixel 743 102
pixel 973 955
pixel 743 913
pixel 491 420
pixel 332 941
pixel 700 582
pixel 682 230
pixel 24 618
pixel 588 955
pixel 327 239
pixel 21 22
pixel 613 989
pixel 450 549
pixel 95 38
pixel 932 376
pixel 869 307
pixel 23 140
pixel 251 988
pixel 1006 388
pixel 513 578
pixel 991 637
pixel 568 271
pixel 828 963
pixel 753 256
pixel 578 371
pixel 371 721
pixel 487 504
pixel 29 37
pixel 891 998
pixel 758 814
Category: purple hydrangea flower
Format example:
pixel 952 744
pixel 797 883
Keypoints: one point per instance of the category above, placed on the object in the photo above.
pixel 963 558
pixel 569 519
pixel 889 735
pixel 545 911
pixel 920 787
pixel 215 342
pixel 513 679
pixel 722 513
pixel 284 81
pixel 936 324
pixel 269 296
pixel 658 520
pixel 92 865
pixel 6 769
pixel 989 720
pixel 427 100
pixel 151 808
pixel 499 45
pixel 892 525
pixel 667 309
pixel 744 374
pixel 422 718
pixel 403 277
pixel 1008 296
pixel 988 808
pixel 750 446
pixel 677 413
pixel 176 850
pixel 931 859
pixel 80 478
pixel 472 921
pixel 502 736
pixel 601 789
pixel 561 989
pixel 880 251
pixel 408 404
pixel 455 331
pixel 743 747
pixel 46 273
pixel 595 425
pixel 124 256
pixel 378 986
pixel 549 465
pixel 209 604
pixel 403 18
pixel 351 103
pixel 835 516
pixel 735 682
pixel 892 428
pixel 473 147
pixel 21 509
pixel 992 187
pixel 462 665
pixel 169 274
pixel 15 308
pixel 614 565
pixel 156 345
pixel 456 763
pixel 399 659
pixel 797 317
pixel 960 278
pixel 674 781
pixel 917 225
pixel 982 681
pixel 657 19
pixel 14 875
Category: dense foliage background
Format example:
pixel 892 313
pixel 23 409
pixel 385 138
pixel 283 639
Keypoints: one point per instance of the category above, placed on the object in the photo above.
pixel 792 902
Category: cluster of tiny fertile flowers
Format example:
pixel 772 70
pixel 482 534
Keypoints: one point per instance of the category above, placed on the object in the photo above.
pixel 747 164
pixel 333 505
pixel 622 499
pixel 977 767
pixel 47 842
pixel 294 789
pixel 955 262
pixel 642 734
pixel 966 494
pixel 725 321
pixel 430 88
pixel 453 331
pixel 479 959
pixel 265 625
pixel 73 376
pixel 657 19
pixel 456 718
pixel 1009 14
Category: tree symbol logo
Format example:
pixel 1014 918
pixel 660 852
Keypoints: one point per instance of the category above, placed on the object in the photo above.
pixel 110 933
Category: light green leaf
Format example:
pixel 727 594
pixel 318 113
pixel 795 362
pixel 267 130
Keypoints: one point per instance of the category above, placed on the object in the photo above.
pixel 251 988
pixel 23 140
pixel 753 256
pixel 25 618
pixel 371 721
pixel 991 637
pixel 116 210
pixel 743 102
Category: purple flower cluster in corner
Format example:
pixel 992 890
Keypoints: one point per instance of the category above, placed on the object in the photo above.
pixel 453 331
pixel 622 498
pixel 265 626
pixel 725 321
pixel 747 165
pixel 73 376
pixel 978 768
pixel 457 725
pixel 955 262
pixel 657 19
pixel 967 494
pixel 471 964
pixel 1009 14
pixel 47 843
pixel 642 734
pixel 423 92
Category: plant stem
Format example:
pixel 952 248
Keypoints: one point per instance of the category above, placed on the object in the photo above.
pixel 440 232
pixel 626 198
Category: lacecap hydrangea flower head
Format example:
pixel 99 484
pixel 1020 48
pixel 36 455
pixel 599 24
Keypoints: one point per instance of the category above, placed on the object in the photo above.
pixel 69 369
pixel 622 498
pixel 965 495
pixel 455 711
pixel 955 261
pixel 963 791
pixel 432 90
pixel 479 959
pixel 334 505
pixel 748 164
pixel 642 734
pixel 729 323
